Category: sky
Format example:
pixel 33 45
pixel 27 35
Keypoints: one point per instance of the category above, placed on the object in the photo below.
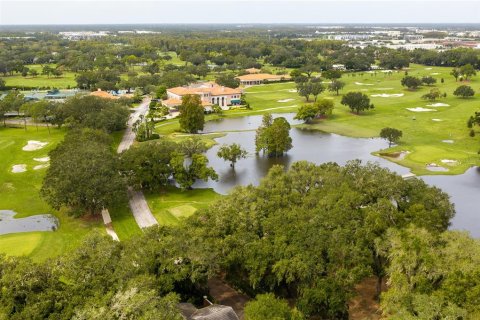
pixel 17 12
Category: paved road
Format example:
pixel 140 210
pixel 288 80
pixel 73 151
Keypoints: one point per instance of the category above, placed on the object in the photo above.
pixel 129 135
pixel 139 206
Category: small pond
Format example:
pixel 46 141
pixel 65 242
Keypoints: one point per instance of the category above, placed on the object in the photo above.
pixel 318 147
pixel 41 222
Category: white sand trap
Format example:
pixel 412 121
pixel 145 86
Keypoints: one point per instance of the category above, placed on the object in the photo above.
pixel 285 100
pixel 384 89
pixel 44 159
pixel 434 73
pixel 19 168
pixel 363 84
pixel 386 95
pixel 449 161
pixel 33 145
pixel 428 68
pixel 447 141
pixel 437 120
pixel 292 90
pixel 327 82
pixel 387 71
pixel 439 104
pixel 420 109
pixel 41 166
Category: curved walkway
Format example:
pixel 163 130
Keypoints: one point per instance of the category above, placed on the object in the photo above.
pixel 139 206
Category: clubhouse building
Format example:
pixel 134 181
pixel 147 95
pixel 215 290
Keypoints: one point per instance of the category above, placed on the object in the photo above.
pixel 210 94
pixel 252 79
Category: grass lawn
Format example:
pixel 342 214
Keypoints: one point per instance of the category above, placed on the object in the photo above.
pixel 422 136
pixel 65 81
pixel 20 193
pixel 171 205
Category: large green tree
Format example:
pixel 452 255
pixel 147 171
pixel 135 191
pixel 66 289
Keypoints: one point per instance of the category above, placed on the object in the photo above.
pixel 83 174
pixel 192 114
pixel 357 102
pixel 392 135
pixel 187 171
pixel 464 91
pixel 273 136
pixel 232 153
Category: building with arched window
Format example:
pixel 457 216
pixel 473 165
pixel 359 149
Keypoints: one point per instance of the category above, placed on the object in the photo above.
pixel 210 93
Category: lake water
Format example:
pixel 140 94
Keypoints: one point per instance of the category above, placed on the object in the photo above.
pixel 318 147
pixel 42 222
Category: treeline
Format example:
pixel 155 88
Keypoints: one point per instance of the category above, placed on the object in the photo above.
pixel 309 235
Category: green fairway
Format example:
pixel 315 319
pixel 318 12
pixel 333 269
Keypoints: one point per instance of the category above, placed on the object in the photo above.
pixel 67 80
pixel 20 193
pixel 171 205
pixel 422 136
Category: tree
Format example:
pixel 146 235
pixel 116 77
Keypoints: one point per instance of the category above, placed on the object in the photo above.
pixel 308 233
pixel 311 87
pixel 267 306
pixel 144 129
pixel 187 172
pixel 306 112
pixel 429 80
pixel 474 120
pixel 467 71
pixel 193 145
pixel 147 165
pixel 336 86
pixel 455 73
pixel 83 174
pixel 433 95
pixel 273 137
pixel 321 108
pixel 232 153
pixel 11 102
pixel 357 102
pixel 332 74
pixel 392 135
pixel 228 80
pixel 2 84
pixel 411 82
pixel 464 91
pixel 192 114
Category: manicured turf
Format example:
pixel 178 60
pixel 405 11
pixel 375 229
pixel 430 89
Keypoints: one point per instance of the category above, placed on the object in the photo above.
pixel 421 135
pixel 67 80
pixel 20 193
pixel 171 205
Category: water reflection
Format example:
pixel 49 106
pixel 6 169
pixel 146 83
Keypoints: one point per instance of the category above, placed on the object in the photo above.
pixel 42 222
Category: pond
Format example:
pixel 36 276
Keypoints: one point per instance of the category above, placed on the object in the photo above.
pixel 41 222
pixel 318 147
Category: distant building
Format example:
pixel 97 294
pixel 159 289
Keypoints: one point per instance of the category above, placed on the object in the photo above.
pixel 253 70
pixel 259 78
pixel 103 94
pixel 212 312
pixel 210 94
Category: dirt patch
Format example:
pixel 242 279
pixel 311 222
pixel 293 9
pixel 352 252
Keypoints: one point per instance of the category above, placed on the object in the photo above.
pixel 399 155
pixel 222 293
pixel 364 305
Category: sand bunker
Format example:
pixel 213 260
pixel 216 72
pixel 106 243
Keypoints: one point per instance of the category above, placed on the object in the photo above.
pixel 447 141
pixel 19 168
pixel 439 104
pixel 363 84
pixel 434 73
pixel 437 120
pixel 33 145
pixel 386 71
pixel 41 166
pixel 292 90
pixel 428 68
pixel 44 159
pixel 384 89
pixel 285 100
pixel 449 161
pixel 386 95
pixel 435 167
pixel 420 109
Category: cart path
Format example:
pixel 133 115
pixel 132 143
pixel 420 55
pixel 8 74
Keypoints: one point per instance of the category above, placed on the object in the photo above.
pixel 137 202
